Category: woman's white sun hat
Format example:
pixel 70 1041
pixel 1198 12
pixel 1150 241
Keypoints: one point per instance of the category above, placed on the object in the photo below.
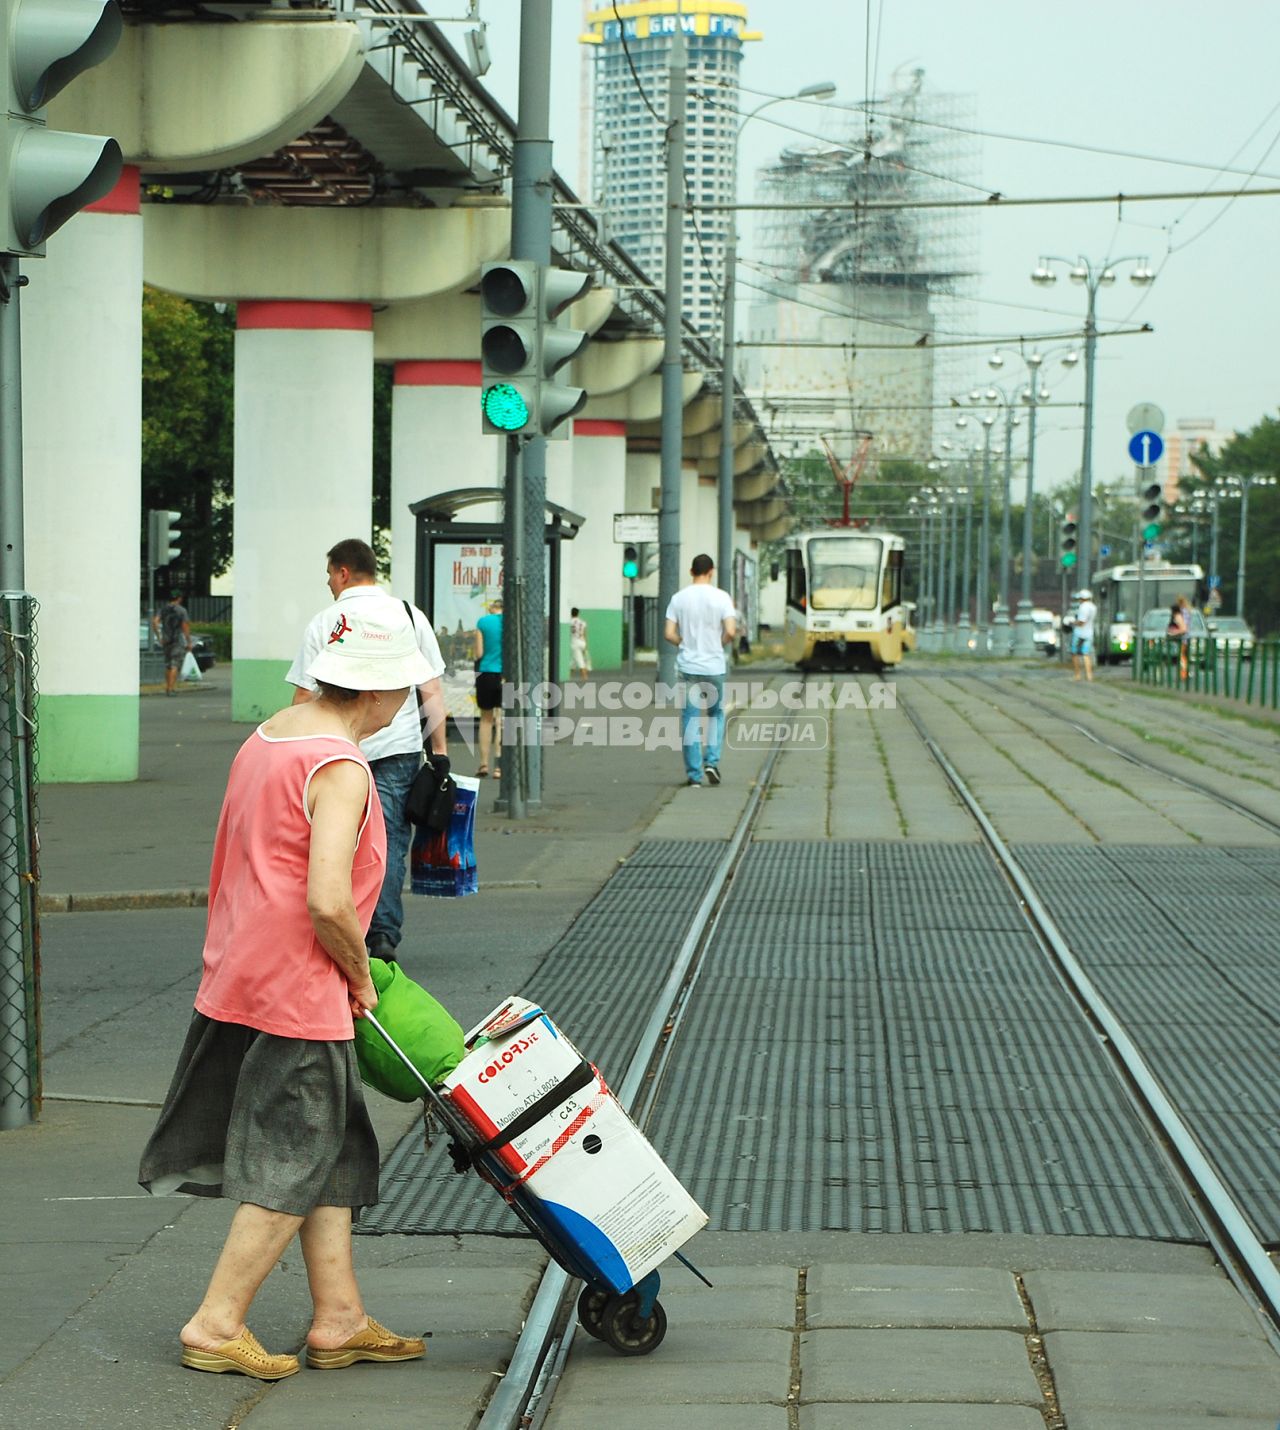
pixel 367 652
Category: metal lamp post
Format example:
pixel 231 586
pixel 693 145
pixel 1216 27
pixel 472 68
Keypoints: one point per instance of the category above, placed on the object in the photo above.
pixel 1092 277
pixel 724 491
pixel 1024 643
pixel 1244 483
pixel 982 616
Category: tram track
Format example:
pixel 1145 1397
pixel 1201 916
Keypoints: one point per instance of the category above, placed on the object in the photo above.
pixel 522 1398
pixel 1196 786
pixel 1227 1230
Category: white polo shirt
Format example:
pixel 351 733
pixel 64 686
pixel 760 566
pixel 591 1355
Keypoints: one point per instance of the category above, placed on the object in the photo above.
pixel 404 735
pixel 700 611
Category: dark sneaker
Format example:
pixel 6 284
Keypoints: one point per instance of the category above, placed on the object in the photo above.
pixel 692 783
pixel 712 773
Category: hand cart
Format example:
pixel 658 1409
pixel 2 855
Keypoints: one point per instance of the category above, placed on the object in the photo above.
pixel 631 1320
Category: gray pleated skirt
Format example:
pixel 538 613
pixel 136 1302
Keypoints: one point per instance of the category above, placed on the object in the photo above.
pixel 279 1122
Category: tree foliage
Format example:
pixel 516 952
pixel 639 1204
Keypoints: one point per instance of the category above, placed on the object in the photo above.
pixel 187 429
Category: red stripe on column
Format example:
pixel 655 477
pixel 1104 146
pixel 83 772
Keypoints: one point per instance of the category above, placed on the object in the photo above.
pixel 351 317
pixel 598 427
pixel 125 198
pixel 438 373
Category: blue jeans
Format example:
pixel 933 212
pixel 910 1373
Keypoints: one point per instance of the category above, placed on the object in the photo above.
pixel 701 695
pixel 394 775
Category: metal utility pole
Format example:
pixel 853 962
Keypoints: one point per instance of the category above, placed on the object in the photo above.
pixel 1086 457
pixel 984 544
pixel 1004 647
pixel 967 568
pixel 1024 640
pixel 524 509
pixel 12 558
pixel 950 639
pixel 724 496
pixel 672 366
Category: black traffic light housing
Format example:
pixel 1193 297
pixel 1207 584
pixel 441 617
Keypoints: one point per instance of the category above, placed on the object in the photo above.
pixel 1069 542
pixel 630 563
pixel 1150 510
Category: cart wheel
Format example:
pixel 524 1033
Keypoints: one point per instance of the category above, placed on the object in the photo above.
pixel 627 1332
pixel 591 1306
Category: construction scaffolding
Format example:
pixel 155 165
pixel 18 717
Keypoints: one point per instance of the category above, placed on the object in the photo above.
pixel 849 303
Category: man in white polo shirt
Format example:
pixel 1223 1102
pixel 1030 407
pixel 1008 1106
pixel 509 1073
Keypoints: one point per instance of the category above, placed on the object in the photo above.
pixel 700 620
pixel 394 754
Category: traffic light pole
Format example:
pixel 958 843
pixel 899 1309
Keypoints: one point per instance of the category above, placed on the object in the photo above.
pixel 524 519
pixel 12 557
pixel 672 366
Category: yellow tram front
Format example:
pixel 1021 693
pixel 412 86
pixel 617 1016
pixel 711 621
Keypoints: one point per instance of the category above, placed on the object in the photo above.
pixel 844 600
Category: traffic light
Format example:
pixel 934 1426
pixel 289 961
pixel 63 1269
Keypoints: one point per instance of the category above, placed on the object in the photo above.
pixel 1068 542
pixel 630 563
pixel 558 345
pixel 522 347
pixel 49 175
pixel 1150 510
pixel 508 366
pixel 163 537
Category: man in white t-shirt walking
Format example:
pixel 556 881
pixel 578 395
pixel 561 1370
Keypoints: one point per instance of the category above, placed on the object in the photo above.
pixel 700 620
pixel 394 754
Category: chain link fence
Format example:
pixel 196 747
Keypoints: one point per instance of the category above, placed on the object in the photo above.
pixel 19 931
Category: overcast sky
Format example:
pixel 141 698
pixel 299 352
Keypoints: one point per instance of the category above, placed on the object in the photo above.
pixel 1184 81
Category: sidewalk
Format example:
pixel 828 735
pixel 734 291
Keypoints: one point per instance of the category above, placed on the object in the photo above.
pixel 888 1332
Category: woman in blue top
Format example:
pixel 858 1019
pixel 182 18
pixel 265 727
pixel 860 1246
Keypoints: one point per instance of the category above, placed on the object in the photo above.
pixel 489 686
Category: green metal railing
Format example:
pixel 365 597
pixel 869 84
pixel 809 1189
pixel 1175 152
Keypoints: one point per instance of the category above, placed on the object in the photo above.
pixel 1213 668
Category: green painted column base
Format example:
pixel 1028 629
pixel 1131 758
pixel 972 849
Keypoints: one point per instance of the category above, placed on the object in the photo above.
pixel 82 739
pixel 259 689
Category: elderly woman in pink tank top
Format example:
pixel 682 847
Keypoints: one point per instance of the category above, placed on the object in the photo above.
pixel 266 1106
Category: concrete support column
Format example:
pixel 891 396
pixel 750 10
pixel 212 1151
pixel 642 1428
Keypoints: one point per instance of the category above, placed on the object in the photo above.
pixel 82 456
pixel 436 445
pixel 593 564
pixel 303 477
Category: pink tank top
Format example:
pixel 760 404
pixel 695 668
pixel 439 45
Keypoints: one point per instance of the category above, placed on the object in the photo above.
pixel 263 965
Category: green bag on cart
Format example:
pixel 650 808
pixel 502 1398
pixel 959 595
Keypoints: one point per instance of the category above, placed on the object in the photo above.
pixel 420 1025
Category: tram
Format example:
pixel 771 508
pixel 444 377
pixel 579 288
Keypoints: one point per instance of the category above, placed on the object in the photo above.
pixel 844 599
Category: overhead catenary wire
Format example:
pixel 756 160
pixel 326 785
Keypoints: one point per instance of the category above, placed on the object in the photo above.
pixel 993 201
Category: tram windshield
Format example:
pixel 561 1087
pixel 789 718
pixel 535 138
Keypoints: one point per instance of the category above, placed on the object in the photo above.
pixel 844 573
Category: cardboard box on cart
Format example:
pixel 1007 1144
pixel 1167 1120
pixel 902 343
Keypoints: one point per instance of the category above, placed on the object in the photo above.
pixel 599 1186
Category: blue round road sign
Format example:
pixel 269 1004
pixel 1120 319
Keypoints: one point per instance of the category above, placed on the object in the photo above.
pixel 1146 448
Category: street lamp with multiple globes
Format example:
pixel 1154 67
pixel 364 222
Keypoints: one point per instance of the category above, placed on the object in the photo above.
pixel 724 493
pixel 1236 486
pixel 1035 392
pixel 1092 277
pixel 988 420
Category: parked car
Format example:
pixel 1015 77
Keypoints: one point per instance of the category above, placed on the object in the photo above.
pixel 1235 634
pixel 201 645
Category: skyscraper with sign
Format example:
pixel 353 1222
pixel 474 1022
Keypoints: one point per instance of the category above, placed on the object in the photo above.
pixel 628 99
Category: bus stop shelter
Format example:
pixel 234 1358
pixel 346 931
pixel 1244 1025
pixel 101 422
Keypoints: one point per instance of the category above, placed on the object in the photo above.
pixel 460 568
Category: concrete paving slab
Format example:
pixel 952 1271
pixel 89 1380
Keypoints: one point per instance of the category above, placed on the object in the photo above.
pixel 912 1296
pixel 749 1370
pixel 669 1417
pixel 964 1366
pixel 1162 1420
pixel 1074 1301
pixel 1176 1371
pixel 724 1305
pixel 920 1417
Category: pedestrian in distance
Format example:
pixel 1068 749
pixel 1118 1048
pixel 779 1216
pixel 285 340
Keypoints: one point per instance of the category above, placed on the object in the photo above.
pixel 488 651
pixel 266 1107
pixel 579 655
pixel 1082 635
pixel 395 751
pixel 1179 629
pixel 700 621
pixel 172 625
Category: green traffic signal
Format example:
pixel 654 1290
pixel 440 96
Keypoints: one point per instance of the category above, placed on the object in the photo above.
pixel 1151 532
pixel 1149 505
pixel 630 563
pixel 1068 558
pixel 504 406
